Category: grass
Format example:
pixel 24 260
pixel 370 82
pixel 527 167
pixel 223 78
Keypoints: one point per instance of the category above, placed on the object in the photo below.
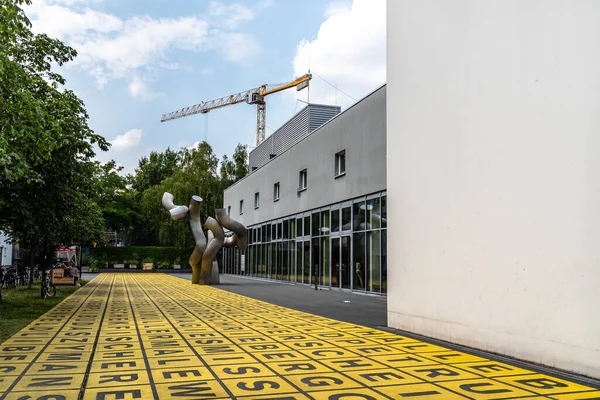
pixel 23 305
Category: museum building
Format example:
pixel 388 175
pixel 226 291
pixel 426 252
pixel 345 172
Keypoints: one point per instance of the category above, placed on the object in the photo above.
pixel 314 201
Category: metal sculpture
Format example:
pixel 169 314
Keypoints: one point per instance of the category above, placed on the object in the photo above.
pixel 240 233
pixel 202 257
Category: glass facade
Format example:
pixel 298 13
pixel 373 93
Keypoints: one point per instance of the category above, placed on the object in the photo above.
pixel 339 246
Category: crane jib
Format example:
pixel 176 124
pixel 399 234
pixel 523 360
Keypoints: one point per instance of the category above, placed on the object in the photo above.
pixel 252 96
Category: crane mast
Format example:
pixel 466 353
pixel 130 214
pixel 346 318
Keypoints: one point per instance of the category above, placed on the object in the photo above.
pixel 252 96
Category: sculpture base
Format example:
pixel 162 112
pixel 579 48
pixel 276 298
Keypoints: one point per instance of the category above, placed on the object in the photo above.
pixel 214 276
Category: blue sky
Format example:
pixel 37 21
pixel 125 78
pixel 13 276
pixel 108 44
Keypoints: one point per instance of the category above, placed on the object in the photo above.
pixel 140 59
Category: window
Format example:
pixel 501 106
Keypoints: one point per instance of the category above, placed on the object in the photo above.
pixel 285 229
pixel 335 220
pixel 340 163
pixel 302 180
pixel 276 191
pixel 241 207
pixel 307 225
pixel 346 218
pixel 256 199
pixel 228 210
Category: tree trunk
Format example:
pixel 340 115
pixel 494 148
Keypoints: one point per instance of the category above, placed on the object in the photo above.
pixel 31 263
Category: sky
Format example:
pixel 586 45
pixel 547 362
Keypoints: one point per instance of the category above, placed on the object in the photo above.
pixel 139 59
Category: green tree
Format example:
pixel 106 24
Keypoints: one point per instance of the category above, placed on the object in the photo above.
pixel 153 169
pixel 46 146
pixel 185 173
pixel 114 197
pixel 195 174
pixel 235 169
pixel 149 174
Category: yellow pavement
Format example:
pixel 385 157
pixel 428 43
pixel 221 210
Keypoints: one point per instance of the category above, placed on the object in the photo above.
pixel 152 336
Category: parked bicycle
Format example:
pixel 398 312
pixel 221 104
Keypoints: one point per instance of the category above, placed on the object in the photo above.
pixel 9 279
pixel 23 274
pixel 47 288
pixel 2 275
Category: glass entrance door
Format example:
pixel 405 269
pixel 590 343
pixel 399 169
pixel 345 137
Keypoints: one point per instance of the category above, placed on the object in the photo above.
pixel 298 267
pixel 340 262
pixel 335 262
pixel 345 253
pixel 306 264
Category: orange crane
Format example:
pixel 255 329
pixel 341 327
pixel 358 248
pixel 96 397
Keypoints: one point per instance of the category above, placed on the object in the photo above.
pixel 252 96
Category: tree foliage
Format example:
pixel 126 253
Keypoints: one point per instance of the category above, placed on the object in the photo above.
pixel 46 145
pixel 154 169
pixel 113 196
pixel 51 189
pixel 194 172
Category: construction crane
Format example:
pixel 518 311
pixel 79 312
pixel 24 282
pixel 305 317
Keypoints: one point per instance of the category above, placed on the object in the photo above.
pixel 252 96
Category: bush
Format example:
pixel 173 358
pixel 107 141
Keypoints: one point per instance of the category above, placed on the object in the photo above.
pixel 102 260
pixel 164 265
pixel 86 259
pixel 151 253
pixel 94 265
pixel 133 262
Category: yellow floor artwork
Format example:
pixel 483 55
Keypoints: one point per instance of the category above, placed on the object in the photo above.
pixel 153 336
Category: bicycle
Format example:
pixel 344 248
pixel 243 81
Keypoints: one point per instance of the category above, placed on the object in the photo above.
pixel 47 288
pixel 10 277
pixel 2 275
pixel 23 276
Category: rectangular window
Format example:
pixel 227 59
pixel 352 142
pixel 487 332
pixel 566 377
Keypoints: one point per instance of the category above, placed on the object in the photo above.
pixel 340 163
pixel 276 191
pixel 316 225
pixel 335 220
pixel 241 207
pixel 346 218
pixel 302 180
pixel 256 200
pixel 307 226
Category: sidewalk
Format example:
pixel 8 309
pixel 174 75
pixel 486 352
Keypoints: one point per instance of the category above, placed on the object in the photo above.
pixel 367 310
pixel 154 336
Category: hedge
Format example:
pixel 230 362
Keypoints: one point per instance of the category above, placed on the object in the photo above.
pixel 141 253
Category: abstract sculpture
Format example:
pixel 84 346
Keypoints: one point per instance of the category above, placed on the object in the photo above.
pixel 202 257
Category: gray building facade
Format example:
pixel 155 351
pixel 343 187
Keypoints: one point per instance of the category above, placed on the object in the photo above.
pixel 317 211
pixel 297 128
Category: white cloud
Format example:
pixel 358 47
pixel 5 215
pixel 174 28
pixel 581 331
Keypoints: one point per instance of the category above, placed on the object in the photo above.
pixel 127 141
pixel 49 17
pixel 193 145
pixel 111 48
pixel 138 88
pixel 142 42
pixel 238 47
pixel 349 50
pixel 230 15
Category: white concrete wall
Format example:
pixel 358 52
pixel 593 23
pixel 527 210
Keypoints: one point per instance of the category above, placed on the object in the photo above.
pixel 493 176
pixel 6 250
